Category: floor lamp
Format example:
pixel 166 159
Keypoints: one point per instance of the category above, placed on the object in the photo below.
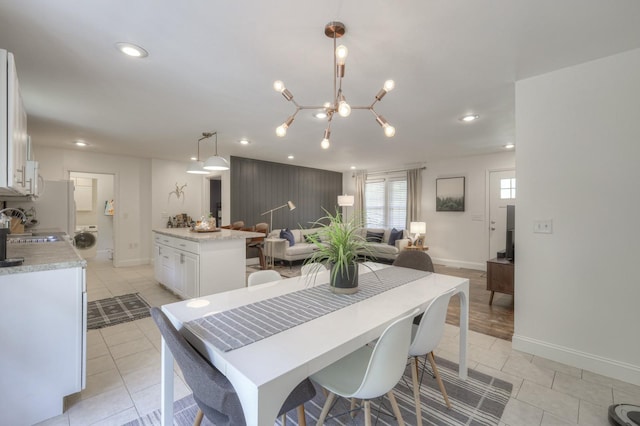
pixel 289 204
pixel 345 201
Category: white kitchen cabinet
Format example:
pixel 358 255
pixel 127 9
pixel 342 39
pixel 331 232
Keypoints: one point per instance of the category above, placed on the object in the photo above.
pixel 43 333
pixel 175 267
pixel 13 130
pixel 204 263
pixel 187 274
pixel 83 194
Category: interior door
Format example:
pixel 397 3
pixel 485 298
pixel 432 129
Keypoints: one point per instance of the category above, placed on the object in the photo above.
pixel 502 191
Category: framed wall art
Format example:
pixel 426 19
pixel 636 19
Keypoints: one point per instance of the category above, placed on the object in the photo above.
pixel 450 194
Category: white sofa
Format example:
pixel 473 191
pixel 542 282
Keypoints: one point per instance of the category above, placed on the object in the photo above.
pixel 302 249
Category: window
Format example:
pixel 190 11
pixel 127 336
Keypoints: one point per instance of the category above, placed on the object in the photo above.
pixel 507 189
pixel 386 203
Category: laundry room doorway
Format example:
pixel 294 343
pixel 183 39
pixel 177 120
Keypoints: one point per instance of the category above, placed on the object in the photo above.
pixel 95 209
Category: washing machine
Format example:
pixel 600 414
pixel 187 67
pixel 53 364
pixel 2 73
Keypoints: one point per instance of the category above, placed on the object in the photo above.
pixel 86 240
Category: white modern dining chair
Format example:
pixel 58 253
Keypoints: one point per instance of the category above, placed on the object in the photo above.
pixel 425 338
pixel 370 371
pixel 261 277
pixel 312 268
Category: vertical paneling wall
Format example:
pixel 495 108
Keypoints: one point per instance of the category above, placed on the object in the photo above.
pixel 258 186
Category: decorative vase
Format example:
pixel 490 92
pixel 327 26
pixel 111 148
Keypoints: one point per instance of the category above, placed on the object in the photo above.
pixel 345 281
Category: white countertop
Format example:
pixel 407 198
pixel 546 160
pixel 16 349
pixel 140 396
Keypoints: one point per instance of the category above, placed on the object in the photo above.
pixel 43 257
pixel 205 237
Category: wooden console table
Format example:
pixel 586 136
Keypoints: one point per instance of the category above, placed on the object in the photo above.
pixel 499 277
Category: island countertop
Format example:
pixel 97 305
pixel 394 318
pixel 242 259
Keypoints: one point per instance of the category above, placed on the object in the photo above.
pixel 43 257
pixel 206 237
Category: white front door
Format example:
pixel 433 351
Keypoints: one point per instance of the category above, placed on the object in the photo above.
pixel 502 191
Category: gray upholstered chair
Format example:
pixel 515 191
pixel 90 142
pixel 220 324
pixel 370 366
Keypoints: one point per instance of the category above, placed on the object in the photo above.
pixel 216 398
pixel 414 259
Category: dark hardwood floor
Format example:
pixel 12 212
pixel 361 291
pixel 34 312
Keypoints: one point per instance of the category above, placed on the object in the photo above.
pixel 495 319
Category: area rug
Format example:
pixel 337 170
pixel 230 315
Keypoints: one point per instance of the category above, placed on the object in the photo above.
pixel 116 310
pixel 480 400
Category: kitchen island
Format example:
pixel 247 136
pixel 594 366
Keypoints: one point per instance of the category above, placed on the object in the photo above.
pixel 194 264
pixel 42 329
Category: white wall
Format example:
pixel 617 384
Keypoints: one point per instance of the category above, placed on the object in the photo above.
pixel 165 175
pixel 457 238
pixel 577 290
pixel 461 238
pixel 132 239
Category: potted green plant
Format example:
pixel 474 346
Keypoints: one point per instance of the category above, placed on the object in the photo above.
pixel 338 244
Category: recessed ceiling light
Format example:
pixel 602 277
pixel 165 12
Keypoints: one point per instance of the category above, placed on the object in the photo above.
pixel 469 118
pixel 80 142
pixel 132 50
pixel 509 146
pixel 320 114
pixel 244 142
pixel 353 167
pixel 194 158
pixel 290 157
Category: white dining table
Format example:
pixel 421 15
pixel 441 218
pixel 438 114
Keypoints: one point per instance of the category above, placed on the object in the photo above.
pixel 263 373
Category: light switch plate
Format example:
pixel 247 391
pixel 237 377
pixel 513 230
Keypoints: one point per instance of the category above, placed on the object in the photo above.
pixel 543 226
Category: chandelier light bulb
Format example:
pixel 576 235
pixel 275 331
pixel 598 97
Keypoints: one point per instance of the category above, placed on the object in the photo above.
pixel 389 85
pixel 278 86
pixel 344 109
pixel 325 139
pixel 281 130
pixel 341 53
pixel 389 131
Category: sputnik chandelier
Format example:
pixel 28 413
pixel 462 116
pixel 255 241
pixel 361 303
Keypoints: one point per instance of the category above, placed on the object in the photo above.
pixel 335 30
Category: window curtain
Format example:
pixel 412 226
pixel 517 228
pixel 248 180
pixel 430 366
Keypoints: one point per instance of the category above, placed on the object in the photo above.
pixel 414 195
pixel 361 178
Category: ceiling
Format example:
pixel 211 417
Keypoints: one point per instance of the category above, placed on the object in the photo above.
pixel 211 66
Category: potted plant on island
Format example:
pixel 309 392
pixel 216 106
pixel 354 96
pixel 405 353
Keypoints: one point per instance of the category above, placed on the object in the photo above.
pixel 338 243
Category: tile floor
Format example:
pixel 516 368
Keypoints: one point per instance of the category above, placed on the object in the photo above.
pixel 123 368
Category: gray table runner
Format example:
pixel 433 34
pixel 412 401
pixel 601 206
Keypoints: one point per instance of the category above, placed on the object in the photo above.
pixel 247 324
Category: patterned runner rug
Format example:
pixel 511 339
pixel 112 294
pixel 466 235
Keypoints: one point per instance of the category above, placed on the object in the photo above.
pixel 480 400
pixel 116 310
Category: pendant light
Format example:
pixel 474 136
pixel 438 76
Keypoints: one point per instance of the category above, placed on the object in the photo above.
pixel 215 162
pixel 212 163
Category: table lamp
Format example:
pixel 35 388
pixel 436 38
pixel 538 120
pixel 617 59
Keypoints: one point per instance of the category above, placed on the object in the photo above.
pixel 417 228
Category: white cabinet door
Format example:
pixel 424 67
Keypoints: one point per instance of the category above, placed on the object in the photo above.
pixel 157 262
pixel 43 342
pixel 14 144
pixel 83 194
pixel 191 275
pixel 167 267
pixel 178 271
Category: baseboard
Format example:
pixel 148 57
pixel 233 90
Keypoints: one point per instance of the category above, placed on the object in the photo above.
pixel 479 266
pixel 605 366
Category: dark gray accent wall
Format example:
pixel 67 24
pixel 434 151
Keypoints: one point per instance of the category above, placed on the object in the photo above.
pixel 258 186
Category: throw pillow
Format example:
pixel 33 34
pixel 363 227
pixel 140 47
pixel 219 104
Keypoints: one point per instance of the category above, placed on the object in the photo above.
pixel 310 237
pixel 288 235
pixel 395 235
pixel 374 237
